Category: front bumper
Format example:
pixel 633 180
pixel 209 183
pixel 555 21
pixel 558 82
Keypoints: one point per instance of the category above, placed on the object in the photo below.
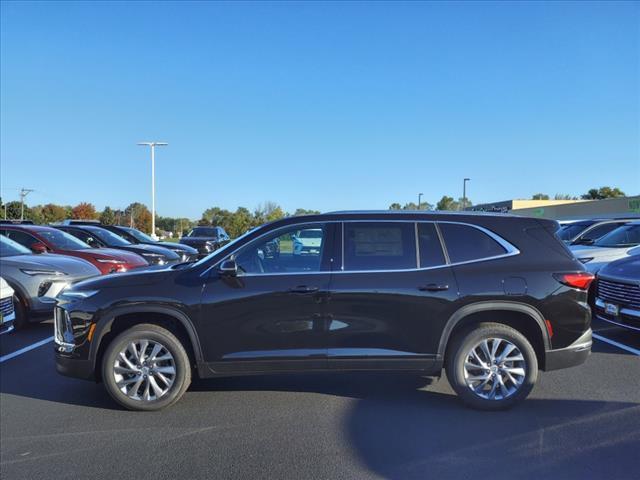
pixel 621 315
pixel 571 356
pixel 73 367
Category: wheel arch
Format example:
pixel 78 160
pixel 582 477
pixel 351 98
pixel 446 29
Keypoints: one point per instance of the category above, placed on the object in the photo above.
pixel 105 325
pixel 464 313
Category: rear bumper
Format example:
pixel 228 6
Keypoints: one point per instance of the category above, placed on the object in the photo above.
pixel 571 356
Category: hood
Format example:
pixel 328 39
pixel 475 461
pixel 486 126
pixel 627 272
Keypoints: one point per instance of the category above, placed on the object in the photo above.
pixel 598 253
pixel 626 269
pixel 189 240
pixel 177 246
pixel 72 266
pixel 143 247
pixel 112 253
pixel 144 276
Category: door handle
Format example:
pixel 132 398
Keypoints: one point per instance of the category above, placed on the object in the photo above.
pixel 303 289
pixel 433 287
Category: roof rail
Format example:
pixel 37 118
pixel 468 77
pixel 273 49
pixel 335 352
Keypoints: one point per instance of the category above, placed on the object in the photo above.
pixel 80 222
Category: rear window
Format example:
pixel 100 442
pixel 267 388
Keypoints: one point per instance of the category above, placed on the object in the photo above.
pixel 379 246
pixel 465 243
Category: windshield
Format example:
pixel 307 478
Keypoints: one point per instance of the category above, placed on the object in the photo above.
pixel 625 236
pixel 138 235
pixel 568 232
pixel 9 248
pixel 62 240
pixel 203 232
pixel 107 237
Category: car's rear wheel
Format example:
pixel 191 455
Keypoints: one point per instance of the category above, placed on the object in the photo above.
pixel 491 366
pixel 146 368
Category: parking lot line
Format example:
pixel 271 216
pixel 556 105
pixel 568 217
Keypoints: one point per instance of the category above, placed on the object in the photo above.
pixel 616 344
pixel 26 349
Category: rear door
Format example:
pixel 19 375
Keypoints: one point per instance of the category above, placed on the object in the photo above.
pixel 390 296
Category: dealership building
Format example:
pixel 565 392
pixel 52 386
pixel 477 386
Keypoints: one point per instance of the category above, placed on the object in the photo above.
pixel 566 209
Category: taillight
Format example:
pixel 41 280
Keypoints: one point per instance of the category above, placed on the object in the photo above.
pixel 579 280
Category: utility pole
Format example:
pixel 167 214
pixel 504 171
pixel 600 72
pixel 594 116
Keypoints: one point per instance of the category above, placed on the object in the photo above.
pixel 464 193
pixel 420 200
pixel 23 193
pixel 153 146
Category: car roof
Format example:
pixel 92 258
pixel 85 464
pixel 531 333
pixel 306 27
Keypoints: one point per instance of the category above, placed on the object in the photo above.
pixel 33 228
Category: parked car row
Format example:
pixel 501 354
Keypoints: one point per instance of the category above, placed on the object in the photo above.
pixel 611 250
pixel 39 261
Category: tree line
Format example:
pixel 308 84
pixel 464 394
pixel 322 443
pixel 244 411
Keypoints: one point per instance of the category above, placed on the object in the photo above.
pixel 236 222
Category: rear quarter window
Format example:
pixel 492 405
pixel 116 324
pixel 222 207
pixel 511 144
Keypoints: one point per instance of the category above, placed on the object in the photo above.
pixel 465 243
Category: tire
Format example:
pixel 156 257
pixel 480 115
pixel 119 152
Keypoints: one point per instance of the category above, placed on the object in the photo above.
pixel 518 377
pixel 145 397
pixel 22 318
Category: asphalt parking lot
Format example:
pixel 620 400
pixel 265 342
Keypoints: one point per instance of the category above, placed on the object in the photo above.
pixel 581 422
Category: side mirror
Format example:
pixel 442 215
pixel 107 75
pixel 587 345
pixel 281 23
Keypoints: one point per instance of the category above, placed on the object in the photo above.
pixel 229 268
pixel 39 247
pixel 585 241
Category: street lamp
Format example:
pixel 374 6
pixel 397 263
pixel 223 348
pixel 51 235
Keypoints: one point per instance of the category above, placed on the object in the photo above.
pixel 420 200
pixel 464 193
pixel 153 146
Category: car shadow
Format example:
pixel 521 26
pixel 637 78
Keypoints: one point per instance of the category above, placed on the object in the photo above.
pixel 406 427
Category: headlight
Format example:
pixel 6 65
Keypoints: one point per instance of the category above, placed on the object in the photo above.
pixel 586 259
pixel 34 272
pixel 78 293
pixel 108 260
pixel 152 255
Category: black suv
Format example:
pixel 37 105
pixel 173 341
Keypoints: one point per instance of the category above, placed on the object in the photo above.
pixel 489 297
pixel 205 239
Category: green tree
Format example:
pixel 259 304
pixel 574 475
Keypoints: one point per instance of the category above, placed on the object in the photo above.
pixel 13 210
pixel 448 203
pixel 107 216
pixel 395 206
pixel 540 196
pixel 53 213
pixel 239 223
pixel 137 215
pixel 304 211
pixel 563 196
pixel 602 193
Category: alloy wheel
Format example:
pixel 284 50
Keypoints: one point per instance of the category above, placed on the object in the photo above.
pixel 494 369
pixel 144 370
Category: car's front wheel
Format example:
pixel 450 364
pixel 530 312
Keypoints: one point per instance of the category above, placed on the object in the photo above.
pixel 146 368
pixel 491 366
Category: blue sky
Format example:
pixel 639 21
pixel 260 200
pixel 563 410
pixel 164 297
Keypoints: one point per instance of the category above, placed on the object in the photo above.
pixel 317 105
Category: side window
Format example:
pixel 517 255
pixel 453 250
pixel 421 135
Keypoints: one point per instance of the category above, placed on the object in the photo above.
pixel 465 243
pixel 429 246
pixel 600 231
pixel 295 250
pixel 379 246
pixel 85 237
pixel 22 238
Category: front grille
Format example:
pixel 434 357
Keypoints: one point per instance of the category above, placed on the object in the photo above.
pixel 6 306
pixel 621 293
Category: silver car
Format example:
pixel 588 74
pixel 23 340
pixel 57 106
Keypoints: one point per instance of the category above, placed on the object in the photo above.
pixel 37 279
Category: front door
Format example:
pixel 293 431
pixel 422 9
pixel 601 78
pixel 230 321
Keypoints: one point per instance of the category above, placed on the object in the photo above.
pixel 390 297
pixel 271 315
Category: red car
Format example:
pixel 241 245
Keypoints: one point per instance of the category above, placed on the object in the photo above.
pixel 41 239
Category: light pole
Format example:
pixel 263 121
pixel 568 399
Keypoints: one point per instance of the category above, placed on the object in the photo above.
pixel 464 193
pixel 23 193
pixel 420 200
pixel 153 146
